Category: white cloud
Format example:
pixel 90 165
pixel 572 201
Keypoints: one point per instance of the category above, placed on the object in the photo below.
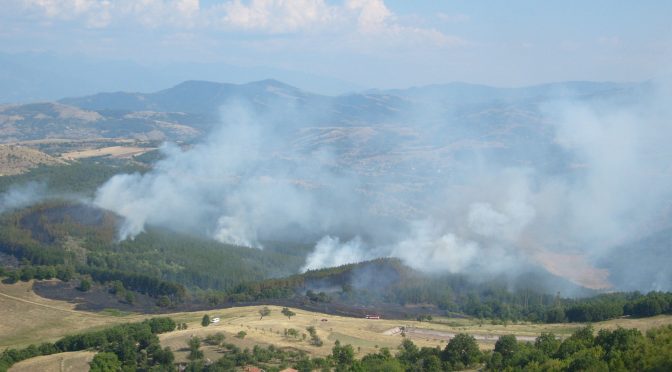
pixel 357 22
pixel 376 21
pixel 371 15
pixel 94 13
pixel 274 16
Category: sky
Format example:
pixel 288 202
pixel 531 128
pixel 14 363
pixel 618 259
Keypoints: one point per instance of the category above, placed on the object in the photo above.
pixel 368 43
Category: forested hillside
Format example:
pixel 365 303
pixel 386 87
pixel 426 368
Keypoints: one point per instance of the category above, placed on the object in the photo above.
pixel 66 240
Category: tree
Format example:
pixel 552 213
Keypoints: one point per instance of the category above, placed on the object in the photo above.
pixel 343 355
pixel 314 338
pixel 84 285
pixel 13 277
pixel 555 315
pixel 129 297
pixel 163 301
pixel 215 339
pixel 105 362
pixel 463 349
pixel 408 353
pixel 588 360
pixel 194 344
pixel 265 311
pixel 288 313
pixel 547 343
pixel 507 346
pixel 164 357
pixel 241 335
pixel 206 320
pixel 292 333
pixel 161 325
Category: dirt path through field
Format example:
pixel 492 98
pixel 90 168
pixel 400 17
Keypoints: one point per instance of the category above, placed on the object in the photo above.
pixel 44 305
pixel 75 361
pixel 440 335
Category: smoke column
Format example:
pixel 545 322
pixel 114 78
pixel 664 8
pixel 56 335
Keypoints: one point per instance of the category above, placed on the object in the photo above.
pixel 429 186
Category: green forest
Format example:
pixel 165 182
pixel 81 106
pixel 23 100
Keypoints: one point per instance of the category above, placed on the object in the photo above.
pixel 63 238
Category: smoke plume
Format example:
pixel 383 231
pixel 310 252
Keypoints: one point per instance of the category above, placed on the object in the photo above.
pixel 22 196
pixel 441 191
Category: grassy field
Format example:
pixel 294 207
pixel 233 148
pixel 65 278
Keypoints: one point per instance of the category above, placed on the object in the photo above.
pixel 364 335
pixel 75 361
pixel 28 318
pixel 19 159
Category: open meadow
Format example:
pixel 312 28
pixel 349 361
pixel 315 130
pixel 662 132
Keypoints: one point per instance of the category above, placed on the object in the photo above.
pixel 31 319
pixel 75 361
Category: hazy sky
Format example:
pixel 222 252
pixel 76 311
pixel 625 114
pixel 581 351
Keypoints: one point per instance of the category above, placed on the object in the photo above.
pixel 372 43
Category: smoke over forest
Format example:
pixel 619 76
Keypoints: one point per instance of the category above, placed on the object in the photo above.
pixel 455 184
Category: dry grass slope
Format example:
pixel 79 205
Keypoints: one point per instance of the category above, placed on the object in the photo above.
pixel 18 159
pixel 76 361
pixel 112 151
pixel 29 318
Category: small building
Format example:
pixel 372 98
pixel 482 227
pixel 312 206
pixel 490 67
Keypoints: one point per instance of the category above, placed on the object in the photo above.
pixel 289 370
pixel 214 320
pixel 252 369
pixel 372 316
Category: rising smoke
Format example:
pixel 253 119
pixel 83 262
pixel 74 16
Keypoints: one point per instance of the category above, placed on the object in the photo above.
pixel 487 206
pixel 22 196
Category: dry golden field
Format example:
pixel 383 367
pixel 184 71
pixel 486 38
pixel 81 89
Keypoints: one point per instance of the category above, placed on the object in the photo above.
pixel 19 159
pixel 112 151
pixel 76 361
pixel 28 318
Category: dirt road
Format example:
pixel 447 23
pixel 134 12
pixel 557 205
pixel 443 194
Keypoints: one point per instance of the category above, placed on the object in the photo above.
pixel 412 332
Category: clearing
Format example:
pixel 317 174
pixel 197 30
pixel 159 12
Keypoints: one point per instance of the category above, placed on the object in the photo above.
pixel 75 361
pixel 31 319
pixel 19 159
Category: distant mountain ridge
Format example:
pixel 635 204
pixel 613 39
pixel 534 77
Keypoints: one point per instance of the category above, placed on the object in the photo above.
pixel 191 96
pixel 46 76
pixel 201 96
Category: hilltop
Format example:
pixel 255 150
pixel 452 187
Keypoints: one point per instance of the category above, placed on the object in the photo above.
pixel 19 159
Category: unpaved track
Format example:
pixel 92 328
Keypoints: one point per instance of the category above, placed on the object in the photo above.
pixel 74 361
pixel 440 335
pixel 44 305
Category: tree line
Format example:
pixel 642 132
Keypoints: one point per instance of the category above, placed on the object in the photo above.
pixel 127 347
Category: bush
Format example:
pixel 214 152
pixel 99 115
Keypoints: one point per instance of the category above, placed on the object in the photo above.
pixel 215 339
pixel 462 349
pixel 84 285
pixel 105 362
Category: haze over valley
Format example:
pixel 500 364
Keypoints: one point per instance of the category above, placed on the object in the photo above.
pixel 451 178
pixel 320 185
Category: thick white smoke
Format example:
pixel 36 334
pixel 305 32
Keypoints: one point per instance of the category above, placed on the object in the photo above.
pixel 241 184
pixel 330 252
pixel 607 181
